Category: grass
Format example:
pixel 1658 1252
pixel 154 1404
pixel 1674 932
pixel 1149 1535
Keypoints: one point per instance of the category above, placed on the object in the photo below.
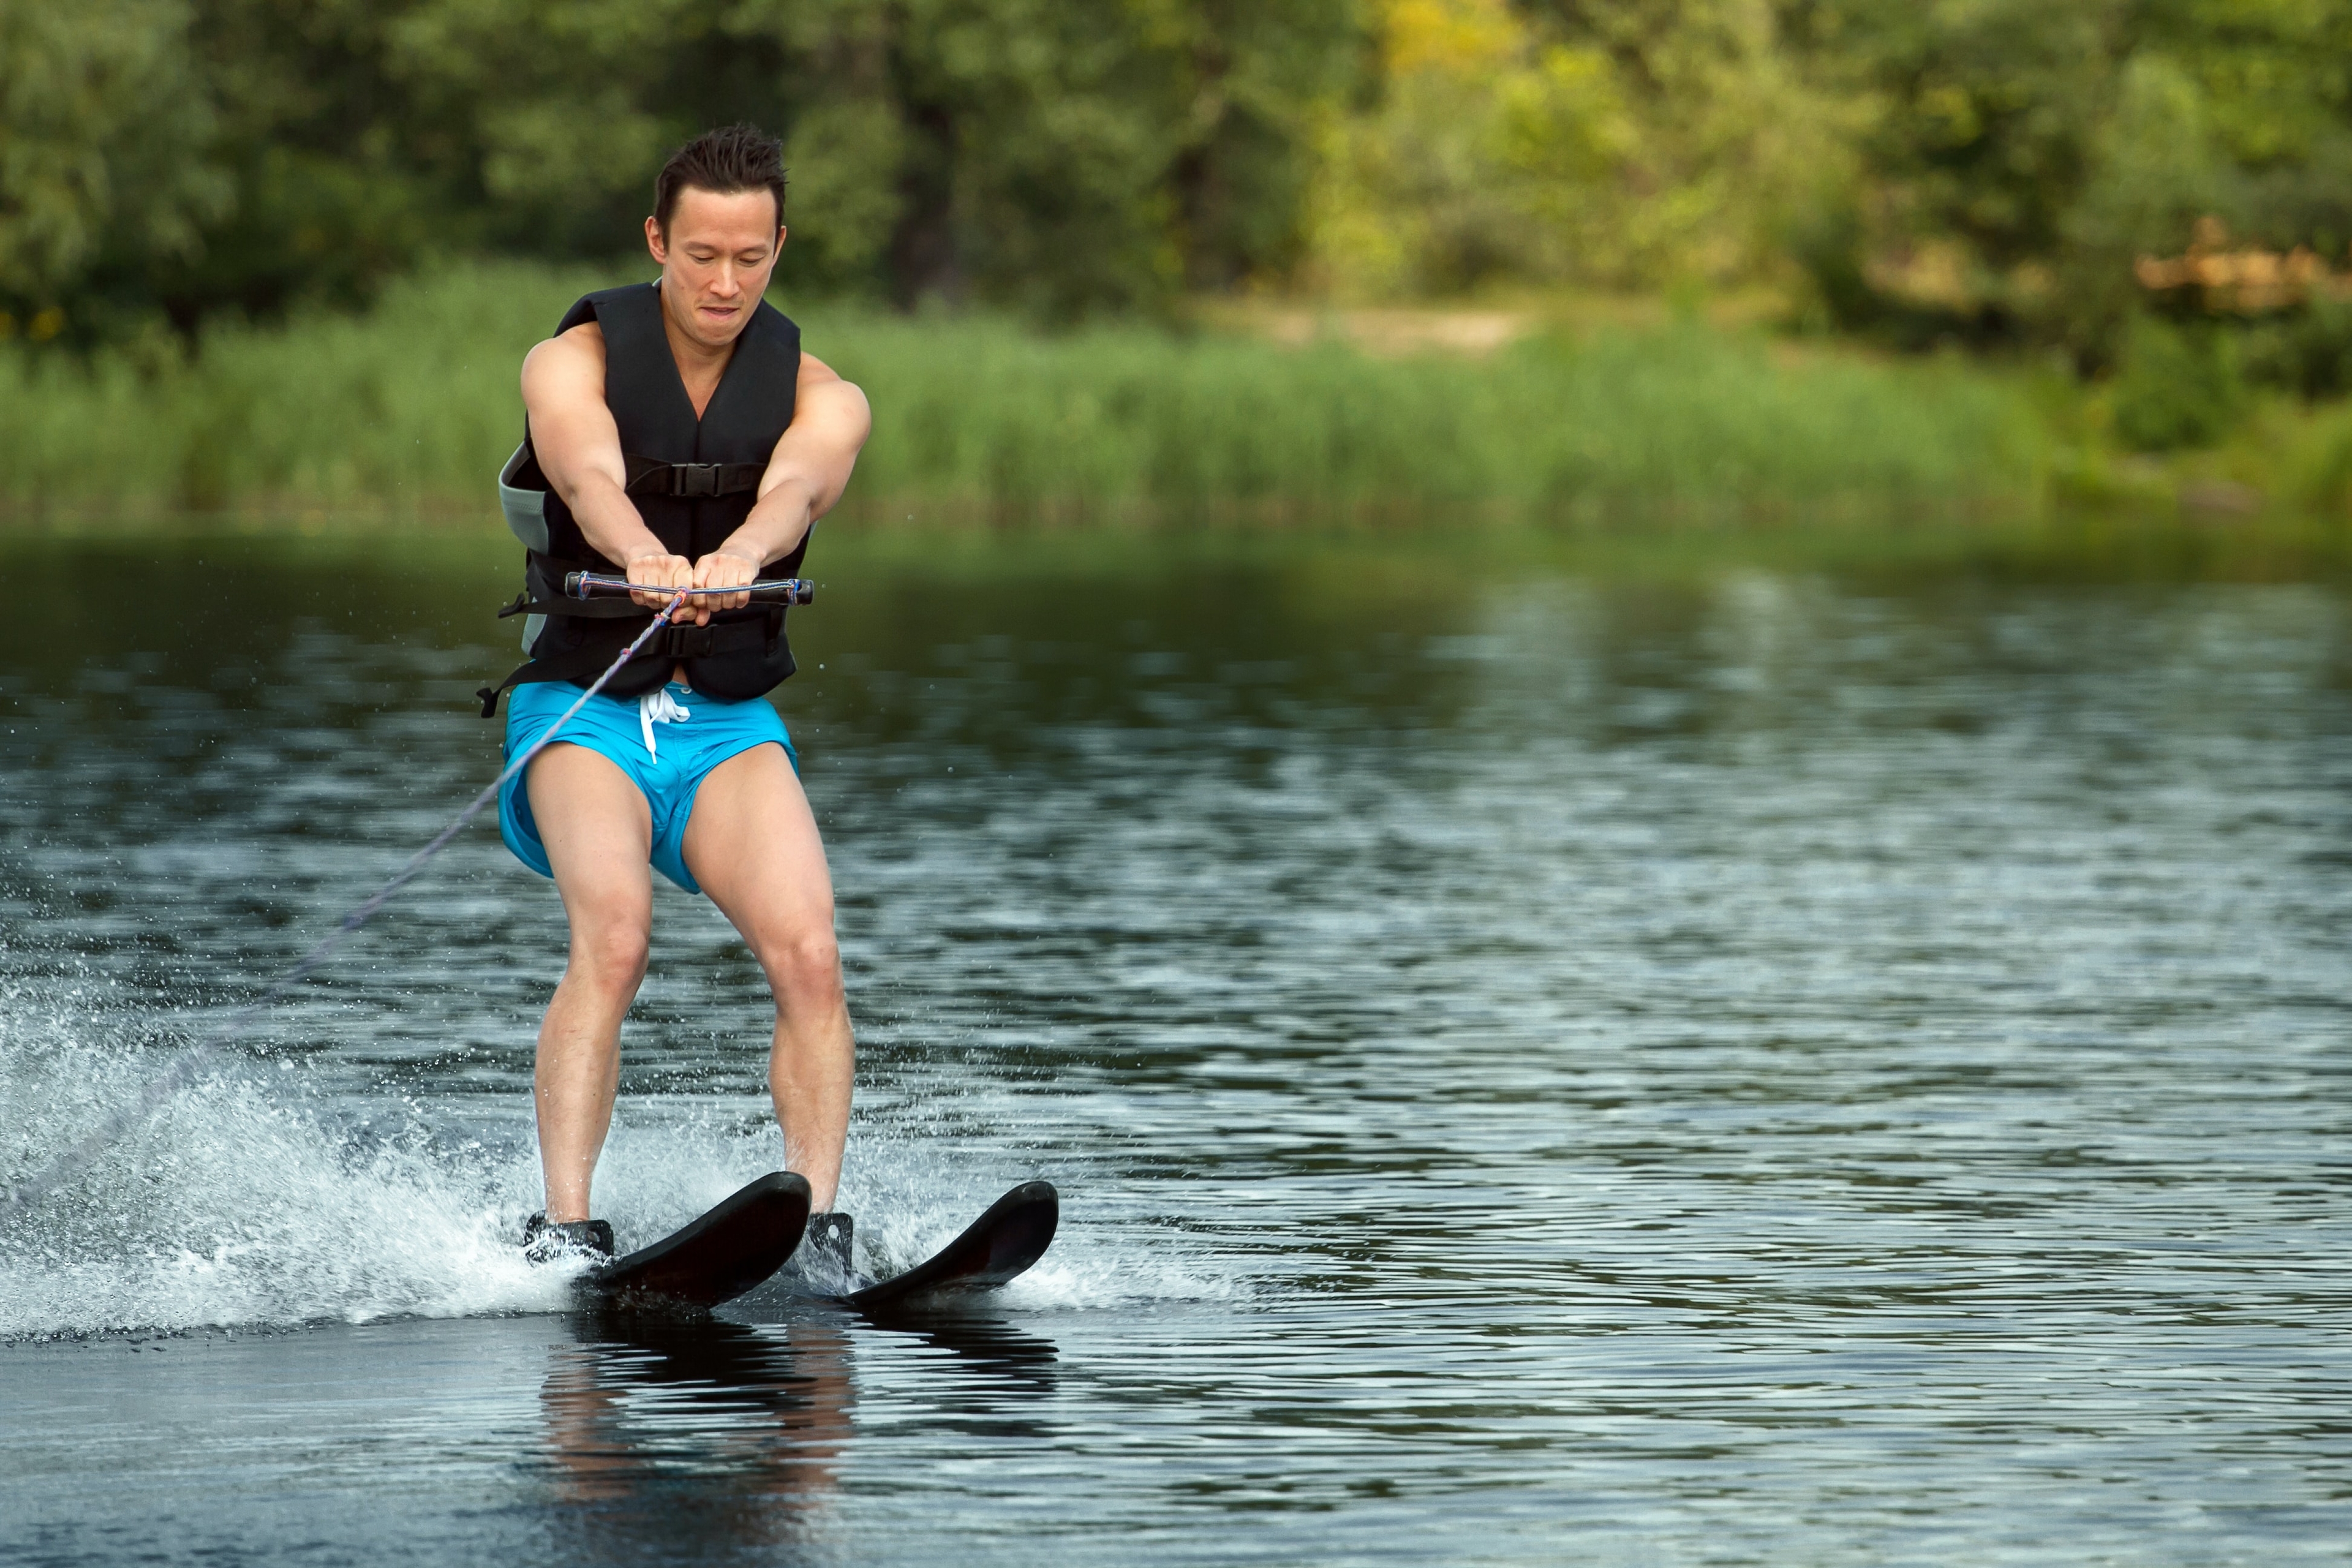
pixel 410 408
pixel 408 411
pixel 978 417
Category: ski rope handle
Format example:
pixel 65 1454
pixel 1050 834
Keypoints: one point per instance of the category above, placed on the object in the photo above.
pixel 775 591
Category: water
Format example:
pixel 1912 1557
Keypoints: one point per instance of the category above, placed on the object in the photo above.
pixel 1543 1064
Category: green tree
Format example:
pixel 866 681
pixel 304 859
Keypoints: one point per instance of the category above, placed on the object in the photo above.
pixel 2018 155
pixel 103 132
pixel 1624 143
pixel 190 156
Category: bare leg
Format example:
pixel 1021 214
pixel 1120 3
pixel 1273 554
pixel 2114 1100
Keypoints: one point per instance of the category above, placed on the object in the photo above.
pixel 599 836
pixel 752 844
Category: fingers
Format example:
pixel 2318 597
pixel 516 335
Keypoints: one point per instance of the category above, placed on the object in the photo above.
pixel 720 570
pixel 715 570
pixel 668 570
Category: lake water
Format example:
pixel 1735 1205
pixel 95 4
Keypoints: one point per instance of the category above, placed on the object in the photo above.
pixel 1543 1063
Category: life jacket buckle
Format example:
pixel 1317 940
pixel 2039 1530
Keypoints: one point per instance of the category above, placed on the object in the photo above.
pixel 694 478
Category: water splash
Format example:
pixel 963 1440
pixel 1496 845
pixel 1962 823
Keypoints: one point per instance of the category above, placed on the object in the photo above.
pixel 259 1196
pixel 244 1200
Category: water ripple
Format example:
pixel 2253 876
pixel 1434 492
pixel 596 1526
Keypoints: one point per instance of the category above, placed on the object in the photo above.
pixel 1762 1069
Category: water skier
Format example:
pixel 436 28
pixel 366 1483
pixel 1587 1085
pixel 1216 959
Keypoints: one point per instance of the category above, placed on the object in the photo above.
pixel 676 432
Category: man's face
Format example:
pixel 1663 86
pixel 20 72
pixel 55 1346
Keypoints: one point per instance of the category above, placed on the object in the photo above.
pixel 715 262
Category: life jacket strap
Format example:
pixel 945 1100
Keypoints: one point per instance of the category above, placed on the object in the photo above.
pixel 579 662
pixel 648 476
pixel 669 643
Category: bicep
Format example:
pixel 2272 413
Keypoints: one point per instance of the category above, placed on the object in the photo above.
pixel 572 430
pixel 834 410
pixel 829 423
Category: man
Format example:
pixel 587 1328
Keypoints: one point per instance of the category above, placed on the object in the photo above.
pixel 676 432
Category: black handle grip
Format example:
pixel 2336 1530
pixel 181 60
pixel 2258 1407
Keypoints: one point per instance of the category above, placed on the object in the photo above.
pixel 779 591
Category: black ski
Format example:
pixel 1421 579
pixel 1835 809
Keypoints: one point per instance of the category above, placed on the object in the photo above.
pixel 732 1249
pixel 999 1246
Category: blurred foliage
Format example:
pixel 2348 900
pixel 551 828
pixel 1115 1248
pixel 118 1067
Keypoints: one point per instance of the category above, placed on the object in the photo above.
pixel 410 408
pixel 1925 171
pixel 99 110
pixel 1970 171
pixel 176 159
pixel 2018 155
pixel 2179 386
pixel 2307 351
pixel 1623 143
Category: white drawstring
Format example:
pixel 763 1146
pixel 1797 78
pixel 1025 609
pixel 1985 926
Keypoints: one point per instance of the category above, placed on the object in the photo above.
pixel 658 708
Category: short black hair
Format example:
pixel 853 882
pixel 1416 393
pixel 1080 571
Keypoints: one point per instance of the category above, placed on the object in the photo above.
pixel 730 159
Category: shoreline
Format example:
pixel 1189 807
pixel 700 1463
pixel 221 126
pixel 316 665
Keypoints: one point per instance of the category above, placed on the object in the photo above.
pixel 2079 544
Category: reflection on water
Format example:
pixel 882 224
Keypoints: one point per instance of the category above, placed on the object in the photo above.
pixel 774 1408
pixel 1748 1065
pixel 994 1355
pixel 756 1418
pixel 703 1439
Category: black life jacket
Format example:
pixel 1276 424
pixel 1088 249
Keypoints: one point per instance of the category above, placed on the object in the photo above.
pixel 693 480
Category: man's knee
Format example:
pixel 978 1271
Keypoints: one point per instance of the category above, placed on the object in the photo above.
pixel 611 950
pixel 803 966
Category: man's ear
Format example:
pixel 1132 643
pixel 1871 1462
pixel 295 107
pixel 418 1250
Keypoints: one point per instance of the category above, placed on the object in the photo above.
pixel 655 244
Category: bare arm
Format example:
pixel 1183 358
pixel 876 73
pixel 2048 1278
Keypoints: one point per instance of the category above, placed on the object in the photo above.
pixel 579 450
pixel 806 473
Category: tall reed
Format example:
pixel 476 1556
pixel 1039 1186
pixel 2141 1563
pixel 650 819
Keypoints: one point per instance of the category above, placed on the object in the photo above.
pixel 411 409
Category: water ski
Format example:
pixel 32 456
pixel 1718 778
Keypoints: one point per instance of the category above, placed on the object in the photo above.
pixel 733 1249
pixel 998 1247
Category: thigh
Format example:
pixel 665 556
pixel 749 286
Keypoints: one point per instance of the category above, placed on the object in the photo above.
pixel 751 842
pixel 598 830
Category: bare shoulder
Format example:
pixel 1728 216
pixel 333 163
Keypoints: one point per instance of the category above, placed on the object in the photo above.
pixel 568 365
pixel 820 384
pixel 813 369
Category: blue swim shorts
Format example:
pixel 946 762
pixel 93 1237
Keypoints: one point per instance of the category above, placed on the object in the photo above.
pixel 667 743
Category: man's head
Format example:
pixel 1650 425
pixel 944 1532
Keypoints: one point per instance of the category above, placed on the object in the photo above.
pixel 718 224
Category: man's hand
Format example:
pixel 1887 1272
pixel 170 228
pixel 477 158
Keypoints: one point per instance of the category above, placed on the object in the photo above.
pixel 721 570
pixel 670 571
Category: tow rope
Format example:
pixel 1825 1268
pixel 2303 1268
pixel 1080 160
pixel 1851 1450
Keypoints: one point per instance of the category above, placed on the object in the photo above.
pixel 171 1080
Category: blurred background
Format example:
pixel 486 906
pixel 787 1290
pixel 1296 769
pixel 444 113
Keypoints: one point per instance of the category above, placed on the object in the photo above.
pixel 1561 258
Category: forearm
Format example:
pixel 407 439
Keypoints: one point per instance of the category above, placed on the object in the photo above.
pixel 777 523
pixel 608 519
pixel 806 475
